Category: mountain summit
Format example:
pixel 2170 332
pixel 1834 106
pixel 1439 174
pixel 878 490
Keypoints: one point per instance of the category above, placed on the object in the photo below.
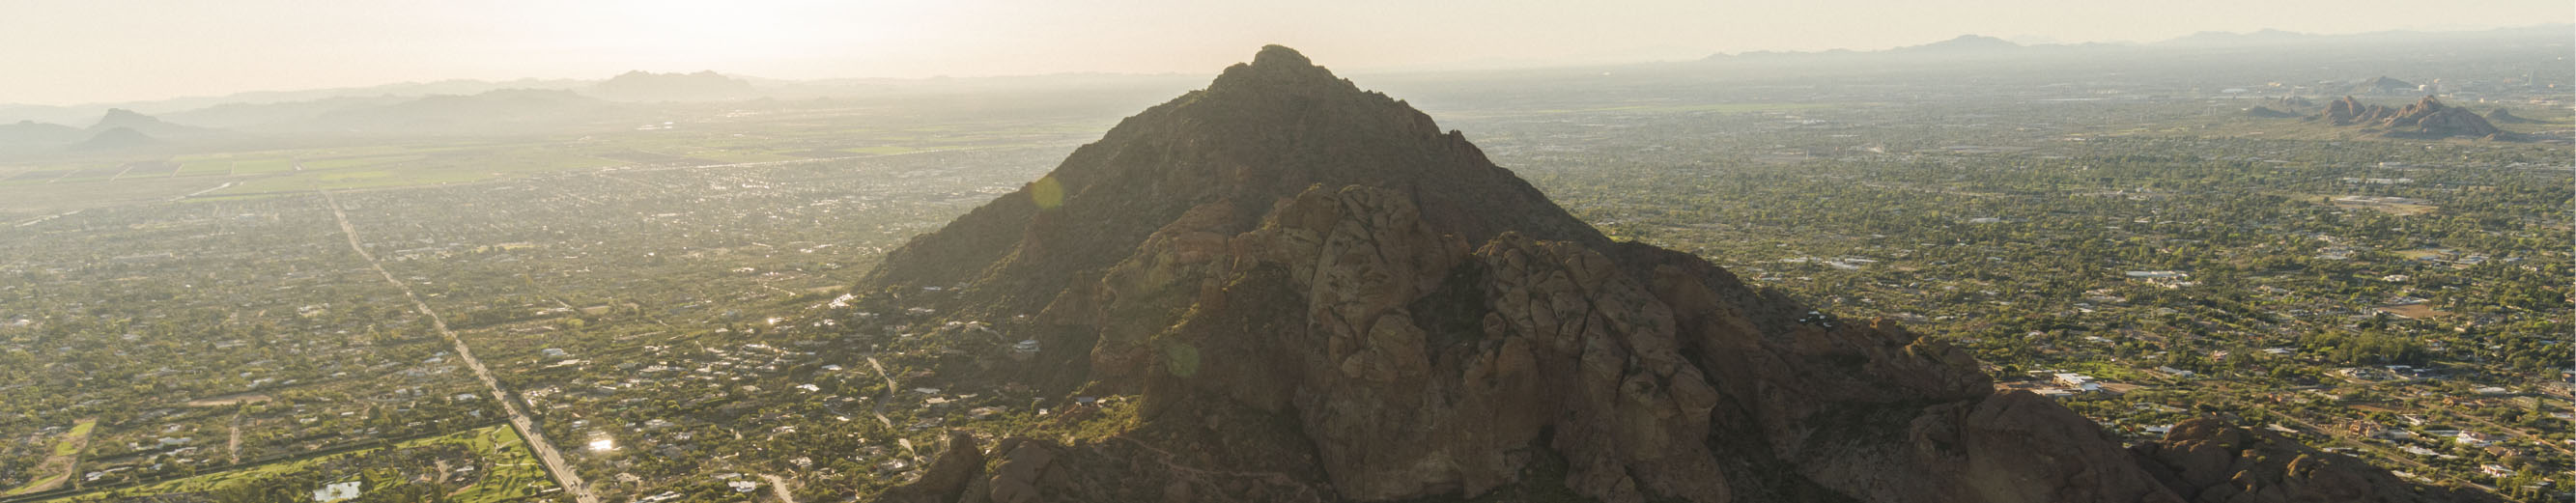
pixel 1317 295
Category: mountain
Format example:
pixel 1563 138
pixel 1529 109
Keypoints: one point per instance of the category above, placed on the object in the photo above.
pixel 2267 113
pixel 286 114
pixel 171 107
pixel 116 129
pixel 116 138
pixel 2426 118
pixel 2384 85
pixel 1964 44
pixel 2223 39
pixel 648 86
pixel 1313 293
pixel 2264 47
pixel 118 118
pixel 2502 116
pixel 2278 38
pixel 34 134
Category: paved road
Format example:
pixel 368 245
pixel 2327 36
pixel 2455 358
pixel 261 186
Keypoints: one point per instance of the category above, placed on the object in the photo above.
pixel 537 442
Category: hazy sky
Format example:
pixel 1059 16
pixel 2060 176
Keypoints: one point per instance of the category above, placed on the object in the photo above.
pixel 75 51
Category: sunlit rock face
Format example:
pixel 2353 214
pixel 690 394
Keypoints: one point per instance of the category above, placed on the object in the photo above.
pixel 1320 296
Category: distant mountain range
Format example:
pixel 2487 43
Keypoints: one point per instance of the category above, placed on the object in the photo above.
pixel 501 111
pixel 1985 46
pixel 648 86
pixel 172 106
pixel 273 107
pixel 117 129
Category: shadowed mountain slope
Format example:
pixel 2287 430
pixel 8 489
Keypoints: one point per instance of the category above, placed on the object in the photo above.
pixel 1318 295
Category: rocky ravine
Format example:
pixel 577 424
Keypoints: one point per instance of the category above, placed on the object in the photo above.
pixel 1320 296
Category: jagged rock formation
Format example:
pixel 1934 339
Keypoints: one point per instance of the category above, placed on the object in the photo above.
pixel 2349 111
pixel 2426 118
pixel 947 478
pixel 1319 296
pixel 2206 460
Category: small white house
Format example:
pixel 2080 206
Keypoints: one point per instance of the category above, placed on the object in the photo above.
pixel 342 491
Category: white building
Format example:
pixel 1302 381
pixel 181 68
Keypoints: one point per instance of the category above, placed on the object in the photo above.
pixel 338 492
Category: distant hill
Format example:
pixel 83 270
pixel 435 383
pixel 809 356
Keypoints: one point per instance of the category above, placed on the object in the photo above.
pixel 1971 47
pixel 2268 113
pixel 2503 116
pixel 76 113
pixel 36 134
pixel 117 138
pixel 118 118
pixel 500 111
pixel 648 86
pixel 2222 38
pixel 115 130
pixel 2383 85
pixel 259 115
pixel 2427 118
pixel 1961 45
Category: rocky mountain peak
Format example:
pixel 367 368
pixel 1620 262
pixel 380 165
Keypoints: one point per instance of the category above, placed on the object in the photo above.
pixel 2426 118
pixel 1259 133
pixel 1316 296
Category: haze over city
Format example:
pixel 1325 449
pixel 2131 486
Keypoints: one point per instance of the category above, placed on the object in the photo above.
pixel 1447 251
pixel 123 50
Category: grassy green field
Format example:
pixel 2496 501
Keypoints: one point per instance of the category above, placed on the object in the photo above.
pixel 65 455
pixel 511 474
pixel 71 441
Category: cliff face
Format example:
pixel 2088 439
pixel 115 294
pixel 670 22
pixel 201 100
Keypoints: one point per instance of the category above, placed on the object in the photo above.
pixel 1319 296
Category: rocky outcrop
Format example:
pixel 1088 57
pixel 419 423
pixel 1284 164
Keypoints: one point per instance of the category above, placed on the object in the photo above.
pixel 1319 296
pixel 947 478
pixel 2431 118
pixel 2426 118
pixel 2349 111
pixel 2207 460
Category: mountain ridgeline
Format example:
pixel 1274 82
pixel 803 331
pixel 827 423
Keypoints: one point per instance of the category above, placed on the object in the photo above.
pixel 1317 295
